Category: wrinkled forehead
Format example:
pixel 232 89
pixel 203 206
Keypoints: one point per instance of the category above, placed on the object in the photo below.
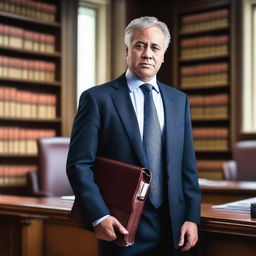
pixel 154 35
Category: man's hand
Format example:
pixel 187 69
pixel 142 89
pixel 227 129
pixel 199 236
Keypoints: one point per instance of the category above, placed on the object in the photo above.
pixel 188 235
pixel 106 230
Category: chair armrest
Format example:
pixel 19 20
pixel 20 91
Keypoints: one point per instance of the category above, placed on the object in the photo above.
pixel 230 170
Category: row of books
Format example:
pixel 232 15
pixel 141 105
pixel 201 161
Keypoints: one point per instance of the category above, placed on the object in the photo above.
pixel 210 169
pixel 205 21
pixel 27 69
pixel 208 100
pixel 196 70
pixel 204 75
pixel 211 139
pixel 13 181
pixel 202 47
pixel 21 141
pixel 14 175
pixel 25 39
pixel 204 52
pixel 209 113
pixel 210 132
pixel 34 9
pixel 15 103
pixel 210 165
pixel 210 175
pixel 209 106
pixel 215 80
pixel 203 41
pixel 205 16
pixel 211 144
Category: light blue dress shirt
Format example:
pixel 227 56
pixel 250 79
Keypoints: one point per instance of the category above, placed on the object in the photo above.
pixel 137 98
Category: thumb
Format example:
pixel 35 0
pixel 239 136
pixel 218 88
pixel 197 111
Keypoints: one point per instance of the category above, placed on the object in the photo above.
pixel 120 227
pixel 182 234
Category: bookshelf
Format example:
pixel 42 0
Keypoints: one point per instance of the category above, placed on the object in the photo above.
pixel 203 72
pixel 30 85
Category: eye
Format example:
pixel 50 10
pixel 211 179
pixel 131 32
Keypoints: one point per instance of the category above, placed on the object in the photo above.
pixel 139 46
pixel 155 48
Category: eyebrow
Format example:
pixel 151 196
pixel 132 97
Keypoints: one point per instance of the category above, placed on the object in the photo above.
pixel 153 44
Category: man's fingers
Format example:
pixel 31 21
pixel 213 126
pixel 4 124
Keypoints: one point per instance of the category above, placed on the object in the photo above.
pixel 188 236
pixel 107 234
pixel 107 230
pixel 186 247
pixel 121 229
pixel 111 235
pixel 182 237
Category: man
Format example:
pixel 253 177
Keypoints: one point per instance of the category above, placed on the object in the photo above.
pixel 141 121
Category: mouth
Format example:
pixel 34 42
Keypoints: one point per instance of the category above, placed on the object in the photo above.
pixel 143 64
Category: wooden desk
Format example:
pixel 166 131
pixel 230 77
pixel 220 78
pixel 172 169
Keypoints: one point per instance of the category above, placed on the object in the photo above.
pixel 219 192
pixel 35 227
pixel 225 233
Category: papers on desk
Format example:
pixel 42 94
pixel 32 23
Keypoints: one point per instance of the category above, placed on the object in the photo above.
pixel 242 206
pixel 68 197
pixel 206 182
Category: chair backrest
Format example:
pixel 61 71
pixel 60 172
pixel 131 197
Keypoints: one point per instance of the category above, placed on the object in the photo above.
pixel 244 153
pixel 52 176
pixel 229 170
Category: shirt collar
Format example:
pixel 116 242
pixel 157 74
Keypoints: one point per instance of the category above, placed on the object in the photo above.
pixel 134 83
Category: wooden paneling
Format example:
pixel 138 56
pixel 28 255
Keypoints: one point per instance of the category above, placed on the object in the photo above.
pixel 220 233
pixel 64 239
pixel 10 233
pixel 42 226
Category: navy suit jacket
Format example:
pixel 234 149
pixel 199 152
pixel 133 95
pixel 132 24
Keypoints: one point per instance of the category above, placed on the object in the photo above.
pixel 106 125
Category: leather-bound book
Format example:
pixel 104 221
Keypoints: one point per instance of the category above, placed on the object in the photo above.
pixel 124 188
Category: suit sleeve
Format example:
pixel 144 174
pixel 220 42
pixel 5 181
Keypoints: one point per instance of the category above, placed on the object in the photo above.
pixel 190 178
pixel 81 157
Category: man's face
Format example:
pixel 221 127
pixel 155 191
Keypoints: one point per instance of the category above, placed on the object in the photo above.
pixel 145 54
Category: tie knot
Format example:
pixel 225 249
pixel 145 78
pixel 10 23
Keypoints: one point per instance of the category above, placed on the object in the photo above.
pixel 146 87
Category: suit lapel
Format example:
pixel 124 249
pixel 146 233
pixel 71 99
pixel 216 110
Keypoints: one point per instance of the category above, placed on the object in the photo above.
pixel 170 110
pixel 124 107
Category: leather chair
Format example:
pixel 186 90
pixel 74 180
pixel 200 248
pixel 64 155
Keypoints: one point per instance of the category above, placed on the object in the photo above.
pixel 243 165
pixel 50 179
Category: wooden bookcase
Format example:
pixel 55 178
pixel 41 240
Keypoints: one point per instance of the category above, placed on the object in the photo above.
pixel 204 73
pixel 30 85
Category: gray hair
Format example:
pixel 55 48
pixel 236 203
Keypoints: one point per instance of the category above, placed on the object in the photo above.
pixel 146 22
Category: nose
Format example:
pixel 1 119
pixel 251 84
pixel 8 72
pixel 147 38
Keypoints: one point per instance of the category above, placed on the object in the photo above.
pixel 147 53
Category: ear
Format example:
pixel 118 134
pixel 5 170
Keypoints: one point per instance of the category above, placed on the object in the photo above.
pixel 126 51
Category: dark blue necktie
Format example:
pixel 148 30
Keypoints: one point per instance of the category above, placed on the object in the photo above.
pixel 152 143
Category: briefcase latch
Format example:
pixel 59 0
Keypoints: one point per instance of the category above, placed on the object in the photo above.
pixel 143 191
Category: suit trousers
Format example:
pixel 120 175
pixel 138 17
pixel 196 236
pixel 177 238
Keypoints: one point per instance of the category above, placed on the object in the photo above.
pixel 153 237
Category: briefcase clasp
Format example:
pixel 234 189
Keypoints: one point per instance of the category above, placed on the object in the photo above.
pixel 143 191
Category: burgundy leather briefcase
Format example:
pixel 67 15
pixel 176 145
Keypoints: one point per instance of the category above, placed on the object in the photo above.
pixel 124 188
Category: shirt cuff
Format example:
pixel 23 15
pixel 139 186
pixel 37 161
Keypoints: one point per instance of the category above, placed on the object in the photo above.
pixel 98 221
